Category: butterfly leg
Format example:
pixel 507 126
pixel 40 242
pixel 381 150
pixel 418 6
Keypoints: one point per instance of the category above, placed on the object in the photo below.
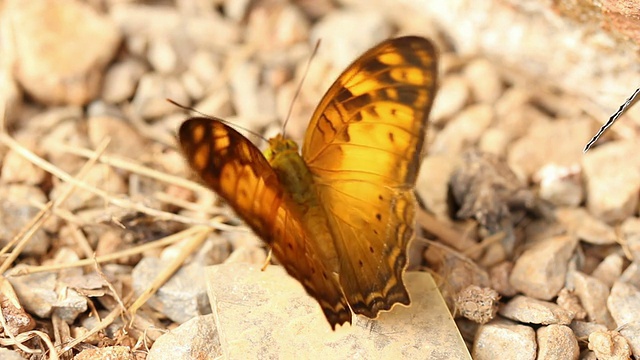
pixel 267 261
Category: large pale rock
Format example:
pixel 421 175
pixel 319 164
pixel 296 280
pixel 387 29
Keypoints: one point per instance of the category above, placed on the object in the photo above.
pixel 61 48
pixel 267 314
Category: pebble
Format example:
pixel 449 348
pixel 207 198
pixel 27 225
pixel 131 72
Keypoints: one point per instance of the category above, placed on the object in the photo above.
pixel 121 80
pixel 17 169
pixel 582 329
pixel 484 81
pixel 101 176
pixel 560 185
pixel 453 95
pixel 585 226
pixel 15 319
pixel 463 130
pixel 124 140
pixel 624 303
pixel 182 297
pixel 540 271
pixel 630 232
pixel 624 306
pixel 631 275
pixel 7 354
pixel 593 295
pixel 548 142
pixel 62 49
pixel 106 353
pixel 17 211
pixel 609 270
pixel 347 34
pixel 162 56
pixel 477 304
pixel 527 310
pixel 613 180
pixel 197 338
pixel 433 182
pixel 494 141
pixel 153 89
pixel 569 301
pixel 557 342
pixel 504 339
pixel 500 279
pixel 36 292
pixel 609 345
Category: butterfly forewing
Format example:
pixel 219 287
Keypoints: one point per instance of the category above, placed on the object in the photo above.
pixel 363 147
pixel 232 166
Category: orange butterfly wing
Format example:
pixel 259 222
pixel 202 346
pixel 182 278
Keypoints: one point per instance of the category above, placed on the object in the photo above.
pixel 363 148
pixel 232 166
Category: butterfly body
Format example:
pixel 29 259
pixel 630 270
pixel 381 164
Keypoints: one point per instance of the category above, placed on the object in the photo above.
pixel 339 214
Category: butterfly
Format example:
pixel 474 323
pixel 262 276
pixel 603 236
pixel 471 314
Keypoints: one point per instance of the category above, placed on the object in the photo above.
pixel 339 215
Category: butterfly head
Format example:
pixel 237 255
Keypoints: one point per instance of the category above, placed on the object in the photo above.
pixel 278 145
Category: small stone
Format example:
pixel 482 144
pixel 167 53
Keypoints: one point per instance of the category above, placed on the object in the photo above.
pixel 17 169
pixel 124 139
pixel 35 291
pixel 106 353
pixel 593 295
pixel 276 26
pixel 16 319
pixel 609 345
pixel 121 80
pixel 548 142
pixel 631 275
pixel 477 304
pixel 195 339
pixel 583 329
pixel 162 56
pixel 500 279
pixel 484 81
pixel 613 180
pixel 532 311
pixel 464 130
pixel 624 303
pixel 630 232
pixel 182 297
pixel 152 92
pixel 540 271
pixel 433 182
pixel 609 270
pixel 562 186
pixel 7 354
pixel 585 226
pixel 101 176
pixel 62 48
pixel 347 34
pixel 570 302
pixel 631 332
pixel 504 339
pixel 494 141
pixel 17 211
pixel 557 342
pixel 453 96
pixel 69 304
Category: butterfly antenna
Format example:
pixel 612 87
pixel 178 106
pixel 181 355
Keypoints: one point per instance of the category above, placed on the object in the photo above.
pixel 304 76
pixel 190 109
pixel 623 108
